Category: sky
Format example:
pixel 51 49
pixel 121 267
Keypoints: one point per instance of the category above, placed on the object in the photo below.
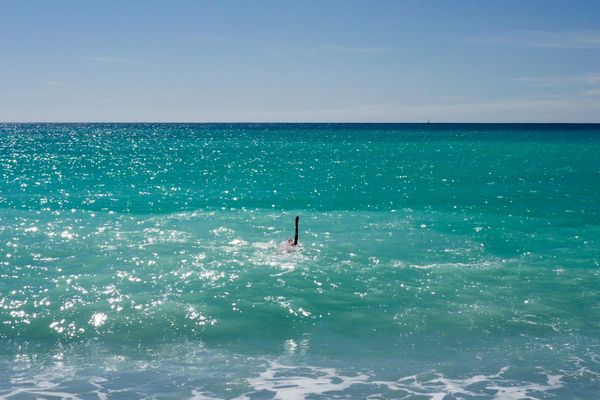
pixel 300 61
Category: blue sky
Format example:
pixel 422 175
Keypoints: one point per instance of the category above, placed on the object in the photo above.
pixel 374 61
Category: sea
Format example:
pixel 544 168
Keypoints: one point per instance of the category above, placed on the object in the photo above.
pixel 435 261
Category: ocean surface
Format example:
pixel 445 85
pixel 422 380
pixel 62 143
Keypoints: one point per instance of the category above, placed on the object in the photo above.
pixel 436 261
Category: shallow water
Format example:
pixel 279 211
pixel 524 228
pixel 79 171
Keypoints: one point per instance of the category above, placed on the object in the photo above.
pixel 436 261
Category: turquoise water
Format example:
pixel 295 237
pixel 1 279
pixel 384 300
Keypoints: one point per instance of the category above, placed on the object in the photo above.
pixel 436 261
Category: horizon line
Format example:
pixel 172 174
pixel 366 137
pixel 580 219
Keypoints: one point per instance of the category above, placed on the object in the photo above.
pixel 299 122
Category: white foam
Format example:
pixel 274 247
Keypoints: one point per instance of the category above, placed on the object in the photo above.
pixel 300 382
pixel 238 242
pixel 98 319
pixel 276 378
pixel 282 257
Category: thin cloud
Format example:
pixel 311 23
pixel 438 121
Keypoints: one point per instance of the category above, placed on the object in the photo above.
pixel 543 39
pixel 564 109
pixel 56 83
pixel 451 98
pixel 211 39
pixel 592 92
pixel 553 81
pixel 107 59
pixel 357 50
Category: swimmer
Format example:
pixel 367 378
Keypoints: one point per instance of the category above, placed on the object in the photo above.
pixel 290 244
pixel 295 241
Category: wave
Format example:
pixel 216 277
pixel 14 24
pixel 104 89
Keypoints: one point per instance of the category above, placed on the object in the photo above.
pixel 279 381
